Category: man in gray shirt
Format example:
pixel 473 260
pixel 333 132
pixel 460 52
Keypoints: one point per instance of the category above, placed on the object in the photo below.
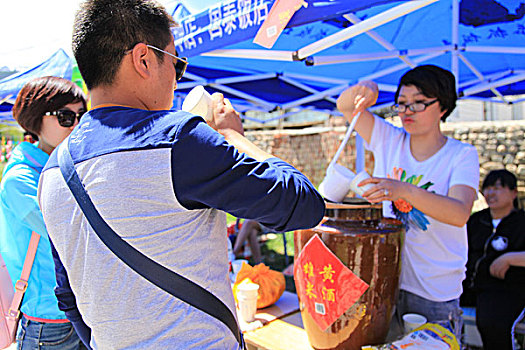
pixel 162 180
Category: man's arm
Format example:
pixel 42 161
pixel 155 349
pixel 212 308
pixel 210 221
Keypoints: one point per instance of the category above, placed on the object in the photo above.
pixel 228 123
pixel 209 172
pixel 66 300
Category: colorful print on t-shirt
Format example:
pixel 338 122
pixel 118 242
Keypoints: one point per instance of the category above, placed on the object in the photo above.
pixel 403 210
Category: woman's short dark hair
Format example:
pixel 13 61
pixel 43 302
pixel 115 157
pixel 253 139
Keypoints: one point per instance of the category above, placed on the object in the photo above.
pixel 432 81
pixel 41 95
pixel 105 29
pixel 505 178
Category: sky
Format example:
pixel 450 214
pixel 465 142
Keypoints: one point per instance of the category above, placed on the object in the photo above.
pixel 32 30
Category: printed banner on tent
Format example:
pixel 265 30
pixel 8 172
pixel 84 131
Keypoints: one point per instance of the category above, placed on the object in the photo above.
pixel 280 14
pixel 222 24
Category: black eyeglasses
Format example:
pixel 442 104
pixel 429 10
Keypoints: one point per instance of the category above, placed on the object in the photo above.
pixel 414 107
pixel 180 63
pixel 66 117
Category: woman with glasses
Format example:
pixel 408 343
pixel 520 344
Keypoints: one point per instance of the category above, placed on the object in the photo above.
pixel 426 180
pixel 48 109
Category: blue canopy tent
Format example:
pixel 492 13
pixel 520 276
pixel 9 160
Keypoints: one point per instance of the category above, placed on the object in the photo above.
pixel 59 65
pixel 328 45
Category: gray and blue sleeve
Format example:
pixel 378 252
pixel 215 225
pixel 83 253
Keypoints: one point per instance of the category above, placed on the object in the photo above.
pixel 209 172
pixel 67 301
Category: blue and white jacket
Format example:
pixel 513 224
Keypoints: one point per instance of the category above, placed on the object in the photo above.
pixel 19 217
pixel 162 180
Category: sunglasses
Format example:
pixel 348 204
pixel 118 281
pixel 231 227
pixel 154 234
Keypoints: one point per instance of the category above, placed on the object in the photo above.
pixel 66 117
pixel 180 63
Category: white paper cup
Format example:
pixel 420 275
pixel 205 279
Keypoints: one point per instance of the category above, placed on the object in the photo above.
pixel 336 183
pixel 199 102
pixel 247 300
pixel 413 321
pixel 363 175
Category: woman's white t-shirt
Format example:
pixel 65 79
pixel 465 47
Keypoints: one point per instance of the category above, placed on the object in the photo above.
pixel 434 253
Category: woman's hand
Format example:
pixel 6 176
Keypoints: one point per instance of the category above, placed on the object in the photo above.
pixel 384 189
pixel 357 98
pixel 452 209
pixel 224 116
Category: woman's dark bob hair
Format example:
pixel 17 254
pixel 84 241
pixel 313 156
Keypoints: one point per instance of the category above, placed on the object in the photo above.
pixel 41 95
pixel 434 82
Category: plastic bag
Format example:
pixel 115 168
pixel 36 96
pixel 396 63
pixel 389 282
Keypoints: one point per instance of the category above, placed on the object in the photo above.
pixel 430 336
pixel 271 283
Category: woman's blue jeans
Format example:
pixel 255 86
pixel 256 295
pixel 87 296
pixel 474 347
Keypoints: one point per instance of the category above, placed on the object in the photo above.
pixel 446 313
pixel 47 336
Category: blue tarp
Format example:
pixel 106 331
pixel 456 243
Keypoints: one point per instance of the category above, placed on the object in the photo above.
pixel 490 48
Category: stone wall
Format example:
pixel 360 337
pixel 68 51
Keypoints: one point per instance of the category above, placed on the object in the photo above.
pixel 309 150
pixel 499 144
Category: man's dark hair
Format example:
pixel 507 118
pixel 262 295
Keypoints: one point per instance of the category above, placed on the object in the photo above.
pixel 105 29
pixel 505 178
pixel 41 95
pixel 432 81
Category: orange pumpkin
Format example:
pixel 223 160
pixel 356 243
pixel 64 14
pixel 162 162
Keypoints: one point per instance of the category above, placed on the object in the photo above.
pixel 271 283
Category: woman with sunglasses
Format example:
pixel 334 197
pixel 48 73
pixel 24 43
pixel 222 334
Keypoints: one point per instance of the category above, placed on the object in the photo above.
pixel 426 180
pixel 48 108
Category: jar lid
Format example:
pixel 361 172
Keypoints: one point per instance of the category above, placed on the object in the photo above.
pixel 352 203
pixel 355 209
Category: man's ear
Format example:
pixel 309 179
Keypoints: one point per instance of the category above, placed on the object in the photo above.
pixel 141 57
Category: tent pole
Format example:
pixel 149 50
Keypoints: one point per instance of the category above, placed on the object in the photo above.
pixel 274 55
pixel 398 67
pixel 380 40
pixel 376 56
pixel 304 87
pixel 314 97
pixel 359 154
pixel 230 80
pixel 364 26
pixel 519 76
pixel 479 75
pixel 488 77
pixel 494 49
pixel 243 95
pixel 320 79
pixel 454 64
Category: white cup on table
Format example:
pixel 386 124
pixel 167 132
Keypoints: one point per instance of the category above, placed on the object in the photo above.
pixel 247 300
pixel 199 102
pixel 412 321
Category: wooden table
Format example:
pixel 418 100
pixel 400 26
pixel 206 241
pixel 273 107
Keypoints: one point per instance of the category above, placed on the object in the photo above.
pixel 283 327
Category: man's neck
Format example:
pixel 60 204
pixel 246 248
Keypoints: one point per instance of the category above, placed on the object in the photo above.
pixel 501 212
pixel 113 96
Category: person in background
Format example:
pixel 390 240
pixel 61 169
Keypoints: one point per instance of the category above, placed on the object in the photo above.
pixel 47 108
pixel 426 180
pixel 163 180
pixel 496 262
pixel 249 231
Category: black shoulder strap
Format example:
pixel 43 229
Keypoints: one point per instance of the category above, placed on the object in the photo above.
pixel 170 281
